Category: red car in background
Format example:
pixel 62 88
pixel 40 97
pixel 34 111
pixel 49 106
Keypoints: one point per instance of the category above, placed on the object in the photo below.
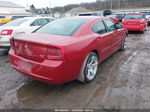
pixel 67 49
pixel 114 18
pixel 135 22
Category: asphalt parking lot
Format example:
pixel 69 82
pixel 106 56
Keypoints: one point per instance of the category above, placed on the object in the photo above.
pixel 122 82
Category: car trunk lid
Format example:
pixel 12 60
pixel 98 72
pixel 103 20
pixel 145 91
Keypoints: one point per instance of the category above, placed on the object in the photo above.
pixel 132 21
pixel 34 46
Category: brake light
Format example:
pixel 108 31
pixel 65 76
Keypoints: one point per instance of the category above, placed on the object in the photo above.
pixel 142 21
pixel 56 53
pixel 12 43
pixel 123 20
pixel 6 32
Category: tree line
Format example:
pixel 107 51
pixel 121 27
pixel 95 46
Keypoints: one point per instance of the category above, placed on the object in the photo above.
pixel 104 5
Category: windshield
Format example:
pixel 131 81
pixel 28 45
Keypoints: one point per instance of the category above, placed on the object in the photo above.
pixel 134 17
pixel 16 22
pixel 64 27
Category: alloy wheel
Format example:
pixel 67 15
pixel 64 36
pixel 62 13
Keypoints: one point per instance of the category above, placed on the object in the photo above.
pixel 91 68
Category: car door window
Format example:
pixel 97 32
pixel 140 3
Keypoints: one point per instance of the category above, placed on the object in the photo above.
pixel 110 25
pixel 43 21
pixel 35 23
pixel 99 27
pixel 40 22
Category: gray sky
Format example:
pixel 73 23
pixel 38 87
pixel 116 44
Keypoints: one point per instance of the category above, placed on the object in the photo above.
pixel 47 3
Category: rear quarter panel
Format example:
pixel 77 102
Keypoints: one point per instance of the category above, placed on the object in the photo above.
pixel 79 49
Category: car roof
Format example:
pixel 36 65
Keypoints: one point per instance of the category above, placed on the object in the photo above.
pixel 86 17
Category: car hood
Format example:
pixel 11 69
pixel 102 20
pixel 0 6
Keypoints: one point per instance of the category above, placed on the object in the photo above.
pixel 41 38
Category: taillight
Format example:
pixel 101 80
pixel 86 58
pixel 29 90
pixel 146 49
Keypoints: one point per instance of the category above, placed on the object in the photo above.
pixel 142 21
pixel 12 43
pixel 124 21
pixel 56 53
pixel 6 32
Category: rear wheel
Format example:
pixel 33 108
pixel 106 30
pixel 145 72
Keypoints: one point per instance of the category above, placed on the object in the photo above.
pixel 142 32
pixel 89 68
pixel 124 44
pixel 145 28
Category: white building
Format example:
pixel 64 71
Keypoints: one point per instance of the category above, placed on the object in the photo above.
pixel 10 9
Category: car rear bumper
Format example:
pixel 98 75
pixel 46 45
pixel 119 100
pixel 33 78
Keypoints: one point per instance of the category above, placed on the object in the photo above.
pixel 49 71
pixel 4 45
pixel 135 27
pixel 4 41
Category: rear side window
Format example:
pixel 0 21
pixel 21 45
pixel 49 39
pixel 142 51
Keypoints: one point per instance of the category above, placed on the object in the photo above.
pixel 99 27
pixel 119 26
pixel 110 25
pixel 134 17
pixel 43 21
pixel 35 23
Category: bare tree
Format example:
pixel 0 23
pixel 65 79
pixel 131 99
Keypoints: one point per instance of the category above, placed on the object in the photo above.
pixel 106 4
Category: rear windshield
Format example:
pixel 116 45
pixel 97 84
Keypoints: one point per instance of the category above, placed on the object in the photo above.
pixel 119 15
pixel 63 27
pixel 146 13
pixel 134 17
pixel 111 16
pixel 16 22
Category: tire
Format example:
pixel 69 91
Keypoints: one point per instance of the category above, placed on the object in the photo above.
pixel 124 45
pixel 142 32
pixel 145 28
pixel 89 68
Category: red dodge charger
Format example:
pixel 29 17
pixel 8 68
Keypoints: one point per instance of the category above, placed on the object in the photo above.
pixel 67 49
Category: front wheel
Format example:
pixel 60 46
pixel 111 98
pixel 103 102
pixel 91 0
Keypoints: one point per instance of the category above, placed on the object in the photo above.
pixel 145 28
pixel 89 68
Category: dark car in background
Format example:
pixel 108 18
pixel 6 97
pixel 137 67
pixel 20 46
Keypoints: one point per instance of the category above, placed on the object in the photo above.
pixel 91 14
pixel 107 12
pixel 120 17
